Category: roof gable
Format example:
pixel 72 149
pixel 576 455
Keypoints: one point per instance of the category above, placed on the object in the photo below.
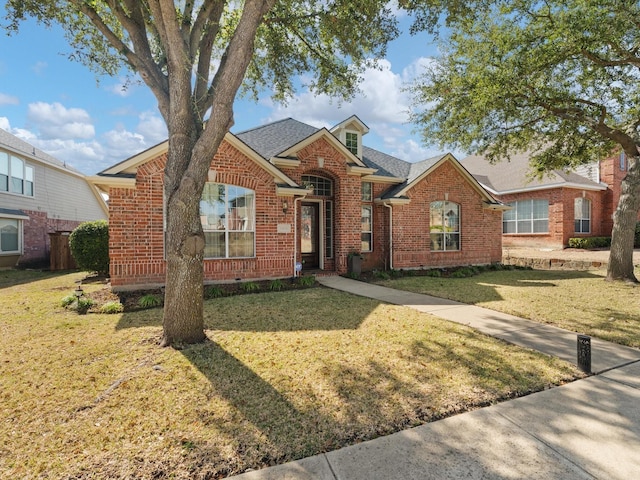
pixel 421 170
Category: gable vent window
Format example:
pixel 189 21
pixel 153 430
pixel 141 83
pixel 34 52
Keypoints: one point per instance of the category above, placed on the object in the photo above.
pixel 351 142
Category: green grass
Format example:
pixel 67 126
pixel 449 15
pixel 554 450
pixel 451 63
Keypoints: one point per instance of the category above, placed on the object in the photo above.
pixel 284 375
pixel 578 301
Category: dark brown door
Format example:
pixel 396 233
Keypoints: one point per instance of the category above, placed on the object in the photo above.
pixel 310 235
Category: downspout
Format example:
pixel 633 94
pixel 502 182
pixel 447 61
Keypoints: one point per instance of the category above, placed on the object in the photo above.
pixel 390 235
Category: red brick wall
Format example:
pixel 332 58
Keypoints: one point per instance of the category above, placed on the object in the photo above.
pixel 480 234
pixel 137 234
pixel 136 221
pixel 561 217
pixel 346 202
pixel 36 243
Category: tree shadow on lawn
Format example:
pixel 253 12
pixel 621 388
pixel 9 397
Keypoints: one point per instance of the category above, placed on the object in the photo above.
pixel 15 277
pixel 483 286
pixel 319 308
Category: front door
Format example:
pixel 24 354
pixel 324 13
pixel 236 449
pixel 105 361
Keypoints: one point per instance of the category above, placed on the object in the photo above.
pixel 310 235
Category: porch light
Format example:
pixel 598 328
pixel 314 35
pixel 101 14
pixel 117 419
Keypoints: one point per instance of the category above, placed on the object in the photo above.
pixel 285 206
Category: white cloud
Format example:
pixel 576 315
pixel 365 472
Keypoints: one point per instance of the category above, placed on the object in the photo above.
pixel 152 128
pixel 8 99
pixel 383 105
pixel 39 67
pixel 54 121
pixel 4 124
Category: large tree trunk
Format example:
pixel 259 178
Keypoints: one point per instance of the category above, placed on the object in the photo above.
pixel 624 220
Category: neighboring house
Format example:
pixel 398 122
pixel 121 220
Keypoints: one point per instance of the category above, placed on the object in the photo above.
pixel 39 195
pixel 287 195
pixel 548 211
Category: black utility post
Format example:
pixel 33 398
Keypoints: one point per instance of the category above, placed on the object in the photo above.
pixel 584 353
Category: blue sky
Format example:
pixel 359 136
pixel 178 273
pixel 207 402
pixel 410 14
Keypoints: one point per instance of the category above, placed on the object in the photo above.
pixel 59 106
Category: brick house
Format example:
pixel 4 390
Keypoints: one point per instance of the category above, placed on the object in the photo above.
pixel 39 196
pixel 548 211
pixel 288 196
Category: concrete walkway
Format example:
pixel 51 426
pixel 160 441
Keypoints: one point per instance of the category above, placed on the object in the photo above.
pixel 589 429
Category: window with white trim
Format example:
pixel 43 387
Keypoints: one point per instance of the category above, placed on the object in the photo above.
pixel 15 175
pixel 623 161
pixel 10 236
pixel 351 142
pixel 367 228
pixel 444 226
pixel 227 213
pixel 526 216
pixel 582 215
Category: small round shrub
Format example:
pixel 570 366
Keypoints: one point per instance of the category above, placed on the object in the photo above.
pixel 83 305
pixel 89 244
pixel 150 301
pixel 67 301
pixel 112 307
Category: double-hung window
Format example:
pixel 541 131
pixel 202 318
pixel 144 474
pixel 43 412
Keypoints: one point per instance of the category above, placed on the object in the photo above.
pixel 582 215
pixel 526 216
pixel 15 175
pixel 444 226
pixel 227 213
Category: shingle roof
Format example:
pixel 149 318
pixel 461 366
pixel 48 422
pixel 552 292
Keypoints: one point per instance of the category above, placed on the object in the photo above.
pixel 415 170
pixel 20 146
pixel 271 139
pixel 515 174
pixel 387 165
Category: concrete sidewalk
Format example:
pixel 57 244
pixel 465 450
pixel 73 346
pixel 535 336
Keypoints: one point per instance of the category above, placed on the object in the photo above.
pixel 589 429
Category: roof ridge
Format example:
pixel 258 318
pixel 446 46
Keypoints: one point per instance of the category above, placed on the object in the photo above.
pixel 275 122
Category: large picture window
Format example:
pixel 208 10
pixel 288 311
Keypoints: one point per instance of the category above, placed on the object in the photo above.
pixel 15 175
pixel 444 226
pixel 526 216
pixel 10 236
pixel 227 213
pixel 582 215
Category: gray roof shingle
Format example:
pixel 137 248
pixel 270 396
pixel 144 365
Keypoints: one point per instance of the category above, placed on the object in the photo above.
pixel 515 174
pixel 271 139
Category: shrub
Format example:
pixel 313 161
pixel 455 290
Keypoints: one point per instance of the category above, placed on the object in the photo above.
pixel 308 280
pixel 67 301
pixel 250 287
pixel 433 273
pixel 276 285
pixel 383 275
pixel 112 307
pixel 590 242
pixel 463 273
pixel 149 301
pixel 213 291
pixel 83 305
pixel 89 244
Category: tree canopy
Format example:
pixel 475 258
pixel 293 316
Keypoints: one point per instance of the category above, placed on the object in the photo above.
pixel 195 56
pixel 557 78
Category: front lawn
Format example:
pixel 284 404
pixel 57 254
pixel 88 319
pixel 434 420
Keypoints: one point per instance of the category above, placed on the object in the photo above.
pixel 284 375
pixel 578 301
